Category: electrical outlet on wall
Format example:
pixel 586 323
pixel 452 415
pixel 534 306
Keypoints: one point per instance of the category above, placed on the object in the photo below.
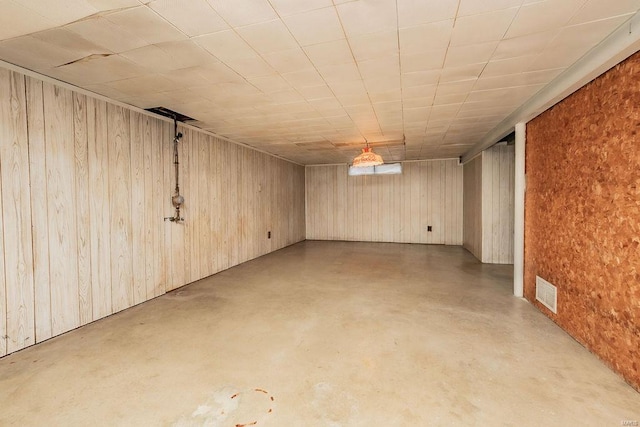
pixel 429 228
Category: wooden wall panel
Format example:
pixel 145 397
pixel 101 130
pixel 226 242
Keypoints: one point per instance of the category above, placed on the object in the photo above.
pixel 99 208
pixel 472 240
pixel 84 187
pixel 16 214
pixel 121 230
pixel 386 208
pixel 39 215
pixel 582 215
pixel 498 175
pixel 61 197
pixel 138 131
pixel 83 225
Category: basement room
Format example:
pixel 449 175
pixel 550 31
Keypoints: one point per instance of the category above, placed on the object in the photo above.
pixel 340 213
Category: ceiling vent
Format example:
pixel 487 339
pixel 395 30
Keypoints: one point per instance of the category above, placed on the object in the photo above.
pixel 174 115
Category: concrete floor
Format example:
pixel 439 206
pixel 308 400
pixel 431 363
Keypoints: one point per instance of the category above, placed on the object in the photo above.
pixel 322 334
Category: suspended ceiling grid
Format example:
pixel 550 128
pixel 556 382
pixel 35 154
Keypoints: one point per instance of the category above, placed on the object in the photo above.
pixel 312 80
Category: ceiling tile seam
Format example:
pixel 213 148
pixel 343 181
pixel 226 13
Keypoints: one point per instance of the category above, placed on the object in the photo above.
pixel 401 85
pixel 446 132
pixel 438 82
pixel 277 72
pixel 359 72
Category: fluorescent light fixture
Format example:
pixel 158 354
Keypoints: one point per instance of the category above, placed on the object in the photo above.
pixel 387 169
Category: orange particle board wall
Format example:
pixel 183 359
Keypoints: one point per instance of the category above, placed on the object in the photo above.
pixel 582 215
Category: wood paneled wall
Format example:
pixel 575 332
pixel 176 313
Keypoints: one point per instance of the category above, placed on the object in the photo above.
pixel 386 208
pixel 488 205
pixel 582 217
pixel 498 179
pixel 84 187
pixel 472 228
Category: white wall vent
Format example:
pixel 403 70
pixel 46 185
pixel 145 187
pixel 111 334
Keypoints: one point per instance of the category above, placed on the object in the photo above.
pixel 547 294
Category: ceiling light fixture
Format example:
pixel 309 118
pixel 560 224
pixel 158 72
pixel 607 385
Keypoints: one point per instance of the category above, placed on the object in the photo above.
pixel 367 158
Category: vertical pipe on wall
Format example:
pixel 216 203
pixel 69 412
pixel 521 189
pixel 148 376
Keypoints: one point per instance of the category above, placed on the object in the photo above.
pixel 518 229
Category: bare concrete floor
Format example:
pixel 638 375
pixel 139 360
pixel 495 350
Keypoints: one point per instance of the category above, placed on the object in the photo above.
pixel 322 334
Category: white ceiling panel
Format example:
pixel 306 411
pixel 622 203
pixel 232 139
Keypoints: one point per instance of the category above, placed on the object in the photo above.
pixel 310 80
pixel 107 34
pixel 268 37
pixel 18 20
pixel 316 26
pixel 364 17
pixel 485 27
pixel 417 12
pixel 374 45
pixel 292 7
pixel 147 25
pixel 193 17
pixel 595 10
pixel 421 38
pixel 245 12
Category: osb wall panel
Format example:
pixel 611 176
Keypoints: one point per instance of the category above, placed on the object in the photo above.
pixel 386 208
pixel 84 187
pixel 582 229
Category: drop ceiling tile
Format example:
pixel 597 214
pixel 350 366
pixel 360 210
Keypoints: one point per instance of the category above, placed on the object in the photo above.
pixel 147 25
pixel 464 73
pixel 292 7
pixel 381 68
pixel 386 96
pixel 225 45
pixel 106 34
pixel 431 60
pixel 152 58
pixel 316 26
pixel 308 77
pixel 329 53
pixel 315 92
pixel 524 45
pixel 508 66
pixel 594 10
pixel 364 17
pixel 268 37
pixel 418 102
pixel 474 7
pixel 250 67
pixel 70 41
pixel 270 84
pixel 245 12
pixel 374 45
pixel 186 77
pixel 187 53
pixel 514 94
pixel 416 12
pixel 432 36
pixel 469 54
pixel 426 91
pixel 140 86
pixel 193 17
pixel 449 99
pixel 456 87
pixel 340 72
pixel 543 16
pixel 219 73
pixel 419 78
pixel 17 20
pixel 287 61
pixel 103 70
pixel 521 79
pixel 35 54
pixel 63 12
pixel 588 34
pixel 485 27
